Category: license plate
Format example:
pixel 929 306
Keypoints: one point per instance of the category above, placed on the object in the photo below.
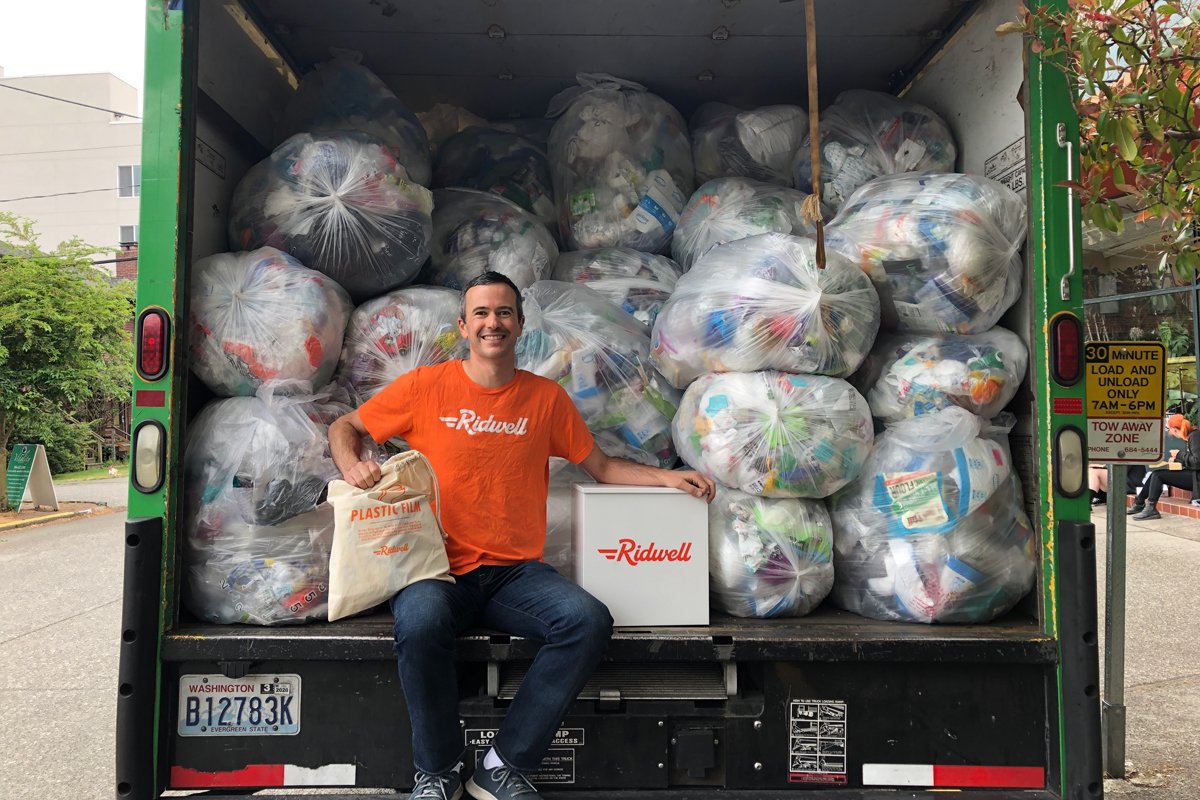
pixel 254 705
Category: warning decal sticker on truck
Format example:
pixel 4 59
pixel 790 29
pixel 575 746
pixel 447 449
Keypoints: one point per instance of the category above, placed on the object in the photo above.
pixel 817 741
pixel 558 765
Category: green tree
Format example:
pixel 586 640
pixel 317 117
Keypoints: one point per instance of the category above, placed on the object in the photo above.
pixel 62 336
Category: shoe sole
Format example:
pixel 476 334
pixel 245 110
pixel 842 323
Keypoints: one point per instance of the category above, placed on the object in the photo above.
pixel 478 792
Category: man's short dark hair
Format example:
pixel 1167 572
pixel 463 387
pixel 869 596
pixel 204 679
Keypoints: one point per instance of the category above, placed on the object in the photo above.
pixel 487 279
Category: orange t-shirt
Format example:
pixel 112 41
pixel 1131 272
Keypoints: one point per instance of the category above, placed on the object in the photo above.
pixel 490 450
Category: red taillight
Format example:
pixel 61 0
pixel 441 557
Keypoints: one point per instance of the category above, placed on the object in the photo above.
pixel 1066 345
pixel 153 328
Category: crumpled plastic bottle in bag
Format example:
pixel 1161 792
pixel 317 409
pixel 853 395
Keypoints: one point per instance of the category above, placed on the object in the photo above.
pixel 727 209
pixel 342 204
pixel 474 232
pixel 865 135
pixel 416 326
pixel 260 316
pixel 622 165
pixel 934 529
pixel 343 95
pixel 768 557
pixel 637 282
pixel 760 143
pixel 942 249
pixel 762 303
pixel 600 355
pixel 773 434
pixel 909 374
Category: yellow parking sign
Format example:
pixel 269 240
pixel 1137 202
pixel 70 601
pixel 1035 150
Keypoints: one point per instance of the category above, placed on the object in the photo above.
pixel 1126 401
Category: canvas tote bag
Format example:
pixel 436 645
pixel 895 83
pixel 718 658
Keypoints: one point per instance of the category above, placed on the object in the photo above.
pixel 385 537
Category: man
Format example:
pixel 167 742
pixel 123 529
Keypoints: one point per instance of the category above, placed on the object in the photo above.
pixel 489 429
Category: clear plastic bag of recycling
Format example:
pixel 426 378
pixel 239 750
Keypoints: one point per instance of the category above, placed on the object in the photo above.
pixel 262 315
pixel 768 557
pixel 444 120
pixel 622 165
pixel 341 203
pixel 727 209
pixel 908 375
pixel 773 434
pixel 638 282
pixel 865 135
pixel 934 529
pixel 474 232
pixel 760 143
pixel 394 334
pixel 560 551
pixel 943 250
pixel 600 355
pixel 502 163
pixel 762 303
pixel 343 95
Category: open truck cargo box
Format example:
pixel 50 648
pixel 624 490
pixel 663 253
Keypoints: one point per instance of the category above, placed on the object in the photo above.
pixel 830 704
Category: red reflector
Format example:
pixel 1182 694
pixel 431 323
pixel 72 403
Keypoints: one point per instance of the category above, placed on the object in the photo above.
pixel 152 345
pixel 150 398
pixel 991 777
pixel 1068 405
pixel 1066 341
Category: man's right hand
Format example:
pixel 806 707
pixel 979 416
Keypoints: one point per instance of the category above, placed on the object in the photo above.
pixel 364 474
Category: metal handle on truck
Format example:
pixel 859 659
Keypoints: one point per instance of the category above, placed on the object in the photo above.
pixel 1063 141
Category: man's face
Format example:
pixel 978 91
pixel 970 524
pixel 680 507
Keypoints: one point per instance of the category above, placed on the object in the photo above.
pixel 491 327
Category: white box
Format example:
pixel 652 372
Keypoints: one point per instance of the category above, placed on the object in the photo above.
pixel 643 551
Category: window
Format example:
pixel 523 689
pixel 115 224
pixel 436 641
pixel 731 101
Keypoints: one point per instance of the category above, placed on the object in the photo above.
pixel 129 234
pixel 129 181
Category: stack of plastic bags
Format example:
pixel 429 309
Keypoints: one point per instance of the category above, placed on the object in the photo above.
pixel 865 135
pixel 762 303
pixel 934 530
pixel 474 232
pixel 759 144
pixel 912 374
pixel 638 282
pixel 768 557
pixel 773 434
pixel 501 163
pixel 343 95
pixel 942 249
pixel 600 355
pixel 622 165
pixel 341 203
pixel 391 335
pixel 728 209
pixel 261 316
pixel 257 530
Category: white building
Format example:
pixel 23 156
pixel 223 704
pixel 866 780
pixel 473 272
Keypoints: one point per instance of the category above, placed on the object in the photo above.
pixel 73 169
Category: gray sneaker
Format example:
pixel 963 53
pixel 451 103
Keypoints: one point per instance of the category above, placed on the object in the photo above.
pixel 1150 512
pixel 500 783
pixel 447 786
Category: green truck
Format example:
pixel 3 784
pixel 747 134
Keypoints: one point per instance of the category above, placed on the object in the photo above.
pixel 1005 709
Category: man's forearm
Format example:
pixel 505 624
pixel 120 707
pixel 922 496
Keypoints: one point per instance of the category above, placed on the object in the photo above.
pixel 622 470
pixel 344 444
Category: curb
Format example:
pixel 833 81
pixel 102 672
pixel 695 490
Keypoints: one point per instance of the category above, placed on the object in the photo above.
pixel 22 523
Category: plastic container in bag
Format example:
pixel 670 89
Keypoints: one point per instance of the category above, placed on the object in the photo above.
pixel 600 355
pixel 622 165
pixel 343 95
pixel 774 434
pixel 768 557
pixel 759 144
pixel 727 209
pixel 501 163
pixel 638 282
pixel 261 316
pixel 913 374
pixel 257 532
pixel 342 204
pixel 867 134
pixel 941 249
pixel 934 530
pixel 762 303
pixel 474 232
pixel 391 335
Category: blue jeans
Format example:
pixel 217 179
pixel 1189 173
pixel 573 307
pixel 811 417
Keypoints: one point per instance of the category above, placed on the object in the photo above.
pixel 529 600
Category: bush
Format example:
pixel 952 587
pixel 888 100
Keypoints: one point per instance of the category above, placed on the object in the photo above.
pixel 66 442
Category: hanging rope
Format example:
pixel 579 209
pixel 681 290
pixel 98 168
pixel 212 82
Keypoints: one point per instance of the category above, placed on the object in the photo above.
pixel 812 204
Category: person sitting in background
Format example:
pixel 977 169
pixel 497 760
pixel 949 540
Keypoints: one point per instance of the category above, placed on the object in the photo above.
pixel 1098 481
pixel 1165 473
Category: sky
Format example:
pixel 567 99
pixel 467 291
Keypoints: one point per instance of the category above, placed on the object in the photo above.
pixel 40 37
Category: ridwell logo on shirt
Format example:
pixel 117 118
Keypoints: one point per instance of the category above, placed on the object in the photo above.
pixel 469 421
